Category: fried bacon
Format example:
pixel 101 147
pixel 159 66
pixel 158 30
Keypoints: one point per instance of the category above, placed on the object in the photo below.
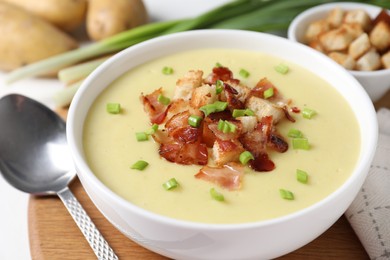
pixel 185 144
pixel 187 153
pixel 221 73
pixel 228 176
pixel 156 111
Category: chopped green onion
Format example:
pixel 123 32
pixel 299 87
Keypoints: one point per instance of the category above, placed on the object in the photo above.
pixel 194 120
pixel 152 130
pixel 249 112
pixel 139 165
pixel 300 143
pixel 226 126
pixel 286 194
pixel 167 70
pixel 113 108
pixel 163 99
pixel 282 69
pixel 218 65
pixel 217 106
pixel 216 195
pixel 170 184
pixel 141 136
pixel 269 93
pixel 302 176
pixel 245 157
pixel 218 86
pixel 308 113
pixel 242 112
pixel 244 73
pixel 294 133
pixel 238 112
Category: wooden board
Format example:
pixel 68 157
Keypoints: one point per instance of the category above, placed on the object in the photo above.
pixel 54 235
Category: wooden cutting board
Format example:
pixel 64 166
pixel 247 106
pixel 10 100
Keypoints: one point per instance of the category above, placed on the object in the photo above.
pixel 53 234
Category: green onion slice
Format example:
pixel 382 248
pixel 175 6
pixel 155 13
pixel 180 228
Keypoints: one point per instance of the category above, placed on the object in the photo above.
pixel 226 126
pixel 216 195
pixel 142 136
pixel 113 108
pixel 269 93
pixel 244 73
pixel 218 65
pixel 139 165
pixel 152 130
pixel 308 113
pixel 302 176
pixel 286 194
pixel 163 100
pixel 194 120
pixel 300 143
pixel 170 184
pixel 282 69
pixel 217 106
pixel 245 157
pixel 294 133
pixel 218 86
pixel 242 112
pixel 167 70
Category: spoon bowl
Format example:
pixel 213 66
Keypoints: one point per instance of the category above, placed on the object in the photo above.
pixel 32 144
pixel 34 158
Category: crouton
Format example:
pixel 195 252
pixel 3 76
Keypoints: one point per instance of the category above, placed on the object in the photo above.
pixel 337 39
pixel 386 60
pixel 315 29
pixel 248 123
pixel 369 61
pixel 317 46
pixel 243 91
pixel 184 86
pixel 227 151
pixel 335 17
pixel 358 16
pixel 380 36
pixel 263 108
pixel 343 59
pixel 203 95
pixel 359 46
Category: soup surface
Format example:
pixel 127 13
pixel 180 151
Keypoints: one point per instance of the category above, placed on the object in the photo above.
pixel 111 147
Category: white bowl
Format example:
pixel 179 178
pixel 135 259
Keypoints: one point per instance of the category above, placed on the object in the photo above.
pixel 376 83
pixel 189 240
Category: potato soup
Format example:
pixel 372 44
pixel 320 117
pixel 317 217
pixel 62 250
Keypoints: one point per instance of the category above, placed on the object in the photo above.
pixel 111 146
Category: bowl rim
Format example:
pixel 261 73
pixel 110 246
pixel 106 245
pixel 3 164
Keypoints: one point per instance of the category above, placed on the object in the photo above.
pixel 322 8
pixel 87 173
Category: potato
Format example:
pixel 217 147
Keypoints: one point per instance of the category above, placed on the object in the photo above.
pixel 104 18
pixel 65 14
pixel 26 38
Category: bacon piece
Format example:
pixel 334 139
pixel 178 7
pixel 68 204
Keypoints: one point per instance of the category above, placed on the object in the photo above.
pixel 228 176
pixel 187 153
pixel 186 134
pixel 287 114
pixel 178 120
pixel 262 163
pixel 232 98
pixel 208 137
pixel 277 143
pixel 157 112
pixel 220 73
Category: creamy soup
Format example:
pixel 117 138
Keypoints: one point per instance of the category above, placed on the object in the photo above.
pixel 111 147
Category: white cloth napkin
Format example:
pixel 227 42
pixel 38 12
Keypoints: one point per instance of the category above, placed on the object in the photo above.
pixel 369 214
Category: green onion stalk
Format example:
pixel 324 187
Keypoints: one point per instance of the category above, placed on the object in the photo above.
pixel 254 15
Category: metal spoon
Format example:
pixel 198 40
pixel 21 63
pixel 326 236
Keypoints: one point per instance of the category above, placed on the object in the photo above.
pixel 34 158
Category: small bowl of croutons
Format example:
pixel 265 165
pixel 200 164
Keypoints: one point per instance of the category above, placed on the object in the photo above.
pixel 356 36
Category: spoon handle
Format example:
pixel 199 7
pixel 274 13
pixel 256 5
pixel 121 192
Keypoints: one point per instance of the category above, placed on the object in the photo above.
pixel 97 242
